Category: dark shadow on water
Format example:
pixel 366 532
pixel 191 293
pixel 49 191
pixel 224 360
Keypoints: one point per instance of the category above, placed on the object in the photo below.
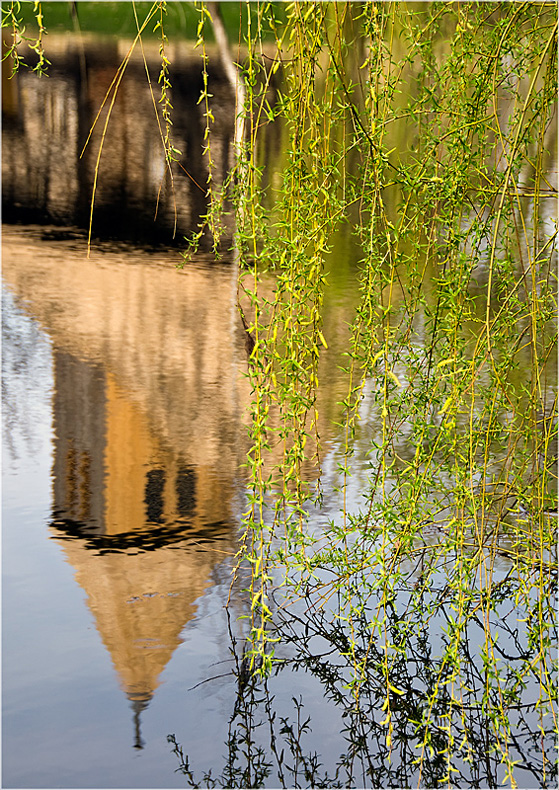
pixel 46 123
pixel 149 538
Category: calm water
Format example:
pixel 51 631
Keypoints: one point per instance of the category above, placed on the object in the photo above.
pixel 124 431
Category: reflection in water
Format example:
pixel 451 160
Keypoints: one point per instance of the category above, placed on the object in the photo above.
pixel 317 648
pixel 25 364
pixel 135 198
pixel 147 391
pixel 154 495
pixel 80 423
pixel 186 491
pixel 148 386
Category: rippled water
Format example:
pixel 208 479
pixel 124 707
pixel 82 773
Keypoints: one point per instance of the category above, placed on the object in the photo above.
pixel 124 431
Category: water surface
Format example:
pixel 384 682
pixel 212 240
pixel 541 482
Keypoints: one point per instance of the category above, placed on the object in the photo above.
pixel 125 402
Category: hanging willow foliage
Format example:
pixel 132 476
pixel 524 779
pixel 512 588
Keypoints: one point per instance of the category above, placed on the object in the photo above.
pixel 428 130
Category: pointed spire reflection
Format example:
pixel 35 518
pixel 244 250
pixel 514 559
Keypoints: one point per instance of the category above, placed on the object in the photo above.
pixel 146 448
pixel 138 705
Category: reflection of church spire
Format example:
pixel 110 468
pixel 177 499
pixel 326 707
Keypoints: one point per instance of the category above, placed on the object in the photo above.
pixel 134 518
pixel 145 442
pixel 138 705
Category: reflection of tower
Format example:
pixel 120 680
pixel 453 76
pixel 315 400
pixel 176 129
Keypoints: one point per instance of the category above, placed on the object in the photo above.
pixel 110 475
pixel 132 519
pixel 147 410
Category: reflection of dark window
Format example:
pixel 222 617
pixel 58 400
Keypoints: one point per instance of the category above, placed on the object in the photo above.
pixel 186 491
pixel 154 494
